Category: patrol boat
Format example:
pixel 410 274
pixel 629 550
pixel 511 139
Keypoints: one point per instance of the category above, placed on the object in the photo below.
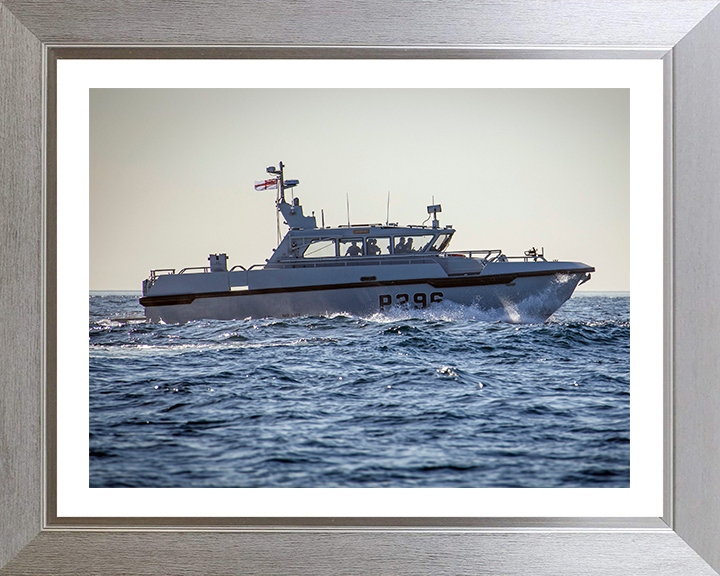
pixel 361 270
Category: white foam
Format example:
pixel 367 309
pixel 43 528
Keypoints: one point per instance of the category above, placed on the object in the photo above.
pixel 531 310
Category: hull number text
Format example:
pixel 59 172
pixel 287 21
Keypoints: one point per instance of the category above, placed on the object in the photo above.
pixel 419 300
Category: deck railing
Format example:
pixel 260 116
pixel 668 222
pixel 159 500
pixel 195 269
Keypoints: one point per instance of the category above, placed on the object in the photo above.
pixel 495 255
pixel 161 272
pixel 203 268
pixel 487 255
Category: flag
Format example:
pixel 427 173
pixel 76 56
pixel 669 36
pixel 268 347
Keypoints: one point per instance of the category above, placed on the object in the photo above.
pixel 266 185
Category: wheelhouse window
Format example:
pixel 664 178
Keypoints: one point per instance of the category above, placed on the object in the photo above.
pixel 321 248
pixel 412 243
pixel 378 246
pixel 441 242
pixel 351 247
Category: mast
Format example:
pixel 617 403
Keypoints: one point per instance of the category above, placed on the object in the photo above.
pixel 281 186
pixel 280 180
pixel 280 194
pixel 293 213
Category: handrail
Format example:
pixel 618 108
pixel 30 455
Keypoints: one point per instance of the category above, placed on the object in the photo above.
pixel 527 258
pixel 154 273
pixel 495 255
pixel 470 253
pixel 157 272
pixel 203 268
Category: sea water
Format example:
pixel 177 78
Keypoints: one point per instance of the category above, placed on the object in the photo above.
pixel 442 397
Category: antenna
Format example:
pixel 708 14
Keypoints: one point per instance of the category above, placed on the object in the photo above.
pixel 434 209
pixel 347 202
pixel 387 217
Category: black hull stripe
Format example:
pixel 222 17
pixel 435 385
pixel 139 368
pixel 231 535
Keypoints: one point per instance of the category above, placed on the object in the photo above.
pixel 450 282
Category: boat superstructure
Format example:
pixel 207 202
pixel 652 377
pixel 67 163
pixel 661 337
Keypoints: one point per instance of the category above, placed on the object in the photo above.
pixel 359 269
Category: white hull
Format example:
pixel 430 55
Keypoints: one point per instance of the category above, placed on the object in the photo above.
pixel 524 299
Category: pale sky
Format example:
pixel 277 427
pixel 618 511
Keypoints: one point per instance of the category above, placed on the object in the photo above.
pixel 172 171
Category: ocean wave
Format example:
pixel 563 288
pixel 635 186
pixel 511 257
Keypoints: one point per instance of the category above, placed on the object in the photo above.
pixel 444 396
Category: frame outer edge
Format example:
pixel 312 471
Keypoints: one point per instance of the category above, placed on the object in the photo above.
pixel 374 22
pixel 20 273
pixel 75 553
pixel 21 227
pixel 696 109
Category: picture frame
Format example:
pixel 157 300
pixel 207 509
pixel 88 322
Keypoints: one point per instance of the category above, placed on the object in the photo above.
pixel 684 34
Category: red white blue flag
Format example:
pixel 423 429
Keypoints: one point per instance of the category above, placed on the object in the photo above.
pixel 266 184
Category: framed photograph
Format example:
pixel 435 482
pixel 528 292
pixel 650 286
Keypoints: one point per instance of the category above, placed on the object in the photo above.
pixel 337 529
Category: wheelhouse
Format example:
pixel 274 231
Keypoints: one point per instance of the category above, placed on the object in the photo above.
pixel 366 242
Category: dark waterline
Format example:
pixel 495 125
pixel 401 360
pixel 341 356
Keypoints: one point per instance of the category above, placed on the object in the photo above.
pixel 425 398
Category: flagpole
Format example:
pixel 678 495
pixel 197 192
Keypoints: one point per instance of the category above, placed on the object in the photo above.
pixel 281 198
pixel 281 182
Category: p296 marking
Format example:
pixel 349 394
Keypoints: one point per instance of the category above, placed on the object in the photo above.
pixel 419 299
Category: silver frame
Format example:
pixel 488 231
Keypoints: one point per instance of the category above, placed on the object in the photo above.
pixel 684 33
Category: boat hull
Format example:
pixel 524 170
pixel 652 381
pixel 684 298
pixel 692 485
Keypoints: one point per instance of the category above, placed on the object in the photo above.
pixel 523 299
